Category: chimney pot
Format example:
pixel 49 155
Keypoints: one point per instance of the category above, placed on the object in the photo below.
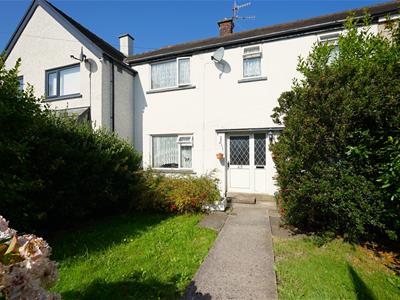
pixel 126 44
pixel 225 27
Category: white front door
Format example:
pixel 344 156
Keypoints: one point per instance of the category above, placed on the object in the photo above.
pixel 247 163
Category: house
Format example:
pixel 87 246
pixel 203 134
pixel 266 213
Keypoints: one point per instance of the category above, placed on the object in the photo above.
pixel 191 108
pixel 73 69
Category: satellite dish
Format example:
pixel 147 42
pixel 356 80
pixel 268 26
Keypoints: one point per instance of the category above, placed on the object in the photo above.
pixel 218 54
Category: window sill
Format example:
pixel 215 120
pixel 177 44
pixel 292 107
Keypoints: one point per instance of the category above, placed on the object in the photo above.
pixel 186 87
pixel 73 96
pixel 252 79
pixel 174 171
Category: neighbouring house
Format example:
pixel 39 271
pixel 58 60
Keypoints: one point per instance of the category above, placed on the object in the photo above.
pixel 191 108
pixel 73 69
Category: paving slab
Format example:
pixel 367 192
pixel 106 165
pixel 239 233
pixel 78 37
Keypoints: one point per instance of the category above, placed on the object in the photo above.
pixel 214 220
pixel 240 265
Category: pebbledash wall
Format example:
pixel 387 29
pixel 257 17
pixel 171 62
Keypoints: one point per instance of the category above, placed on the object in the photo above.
pixel 45 43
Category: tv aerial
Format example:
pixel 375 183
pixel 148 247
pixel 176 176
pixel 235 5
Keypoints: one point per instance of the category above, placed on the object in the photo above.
pixel 235 11
pixel 218 55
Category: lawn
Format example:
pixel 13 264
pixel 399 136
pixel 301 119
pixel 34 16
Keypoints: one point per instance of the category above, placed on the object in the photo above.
pixel 335 270
pixel 142 256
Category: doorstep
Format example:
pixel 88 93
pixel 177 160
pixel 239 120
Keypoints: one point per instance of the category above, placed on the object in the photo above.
pixel 249 198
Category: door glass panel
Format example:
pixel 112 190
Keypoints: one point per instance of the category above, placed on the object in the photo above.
pixel 239 150
pixel 259 149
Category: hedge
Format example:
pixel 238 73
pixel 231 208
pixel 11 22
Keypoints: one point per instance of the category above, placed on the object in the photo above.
pixel 54 171
pixel 338 158
pixel 177 194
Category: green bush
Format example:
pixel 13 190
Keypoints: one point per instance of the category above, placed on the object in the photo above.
pixel 54 171
pixel 338 157
pixel 177 194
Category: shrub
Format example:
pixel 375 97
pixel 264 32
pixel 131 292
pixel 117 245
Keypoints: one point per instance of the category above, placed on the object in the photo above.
pixel 338 156
pixel 178 194
pixel 54 171
pixel 25 268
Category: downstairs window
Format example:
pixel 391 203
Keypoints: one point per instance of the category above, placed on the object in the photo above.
pixel 172 151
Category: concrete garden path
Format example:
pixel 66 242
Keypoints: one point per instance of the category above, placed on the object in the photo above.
pixel 240 265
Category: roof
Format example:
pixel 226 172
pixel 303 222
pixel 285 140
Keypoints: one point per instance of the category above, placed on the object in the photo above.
pixel 81 113
pixel 99 42
pixel 284 30
pixel 102 44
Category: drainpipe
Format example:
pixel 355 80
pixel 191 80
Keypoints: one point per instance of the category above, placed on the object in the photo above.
pixel 90 89
pixel 112 97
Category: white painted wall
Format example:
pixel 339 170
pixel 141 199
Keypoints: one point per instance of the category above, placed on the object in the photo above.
pixel 124 103
pixel 45 44
pixel 123 100
pixel 218 101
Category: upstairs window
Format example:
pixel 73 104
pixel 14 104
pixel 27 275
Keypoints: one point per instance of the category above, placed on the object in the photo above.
pixel 20 83
pixel 173 73
pixel 63 82
pixel 252 61
pixel 172 151
pixel 331 40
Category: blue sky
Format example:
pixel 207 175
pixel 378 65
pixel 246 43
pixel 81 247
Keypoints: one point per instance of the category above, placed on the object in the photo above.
pixel 156 24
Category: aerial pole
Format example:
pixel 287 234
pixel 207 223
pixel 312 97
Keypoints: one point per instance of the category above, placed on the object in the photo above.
pixel 235 11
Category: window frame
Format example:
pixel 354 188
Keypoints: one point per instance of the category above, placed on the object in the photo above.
pixel 252 55
pixel 21 83
pixel 57 71
pixel 177 85
pixel 330 39
pixel 179 144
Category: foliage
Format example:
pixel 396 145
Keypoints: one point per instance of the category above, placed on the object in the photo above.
pixel 54 171
pixel 178 194
pixel 390 168
pixel 338 157
pixel 138 256
pixel 336 270
pixel 25 268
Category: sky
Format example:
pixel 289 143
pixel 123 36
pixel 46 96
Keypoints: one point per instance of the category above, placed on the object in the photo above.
pixel 155 24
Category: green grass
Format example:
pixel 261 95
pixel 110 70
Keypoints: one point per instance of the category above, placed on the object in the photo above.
pixel 144 256
pixel 336 270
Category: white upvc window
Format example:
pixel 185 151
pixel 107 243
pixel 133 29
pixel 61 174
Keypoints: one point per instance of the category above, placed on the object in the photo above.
pixel 172 151
pixel 331 40
pixel 252 61
pixel 169 74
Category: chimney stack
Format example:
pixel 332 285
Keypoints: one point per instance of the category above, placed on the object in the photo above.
pixel 225 27
pixel 126 44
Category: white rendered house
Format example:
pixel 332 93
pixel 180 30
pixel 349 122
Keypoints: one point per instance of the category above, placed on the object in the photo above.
pixel 98 85
pixel 186 111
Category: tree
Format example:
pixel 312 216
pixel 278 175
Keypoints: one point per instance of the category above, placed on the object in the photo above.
pixel 55 171
pixel 337 158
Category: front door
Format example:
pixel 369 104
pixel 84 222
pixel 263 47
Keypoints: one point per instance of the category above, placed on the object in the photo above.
pixel 247 163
